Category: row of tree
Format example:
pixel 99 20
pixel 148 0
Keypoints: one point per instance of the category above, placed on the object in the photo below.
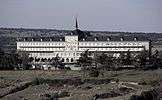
pixel 104 61
pixel 21 59
pixel 14 60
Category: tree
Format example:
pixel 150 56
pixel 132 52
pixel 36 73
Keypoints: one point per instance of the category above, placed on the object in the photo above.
pixel 128 58
pixel 1 54
pixel 8 61
pixel 155 58
pixel 104 61
pixel 101 60
pixel 23 59
pixel 1 58
pixel 85 61
pixel 142 58
pixel 125 58
pixel 31 59
pixel 57 62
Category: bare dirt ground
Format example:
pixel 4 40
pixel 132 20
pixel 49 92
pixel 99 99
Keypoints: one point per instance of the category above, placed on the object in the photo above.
pixel 75 85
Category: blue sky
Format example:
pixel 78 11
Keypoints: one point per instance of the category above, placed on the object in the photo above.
pixel 106 15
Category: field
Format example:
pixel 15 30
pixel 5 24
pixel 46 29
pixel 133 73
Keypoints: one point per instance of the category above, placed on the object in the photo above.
pixel 76 85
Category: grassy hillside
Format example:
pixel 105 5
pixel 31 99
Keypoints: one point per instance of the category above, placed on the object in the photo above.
pixel 72 85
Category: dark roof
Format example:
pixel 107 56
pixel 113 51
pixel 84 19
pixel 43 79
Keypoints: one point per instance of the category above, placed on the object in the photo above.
pixel 114 38
pixel 42 38
pixel 84 37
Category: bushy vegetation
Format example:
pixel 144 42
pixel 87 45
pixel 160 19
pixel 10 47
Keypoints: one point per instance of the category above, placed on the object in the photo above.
pixel 94 73
pixel 7 61
pixel 88 60
pixel 102 61
pixel 147 95
pixel 15 60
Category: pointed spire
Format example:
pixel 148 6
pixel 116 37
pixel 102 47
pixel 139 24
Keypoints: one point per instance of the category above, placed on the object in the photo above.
pixel 76 24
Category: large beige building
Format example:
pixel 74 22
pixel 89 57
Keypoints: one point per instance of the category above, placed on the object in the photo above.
pixel 72 45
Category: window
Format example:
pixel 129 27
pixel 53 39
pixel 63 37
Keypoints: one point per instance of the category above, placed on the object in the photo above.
pixel 120 43
pixel 63 60
pixel 72 59
pixel 78 54
pixel 134 44
pixel 102 44
pixel 67 59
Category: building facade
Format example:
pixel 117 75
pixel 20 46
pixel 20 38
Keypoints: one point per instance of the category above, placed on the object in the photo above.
pixel 69 47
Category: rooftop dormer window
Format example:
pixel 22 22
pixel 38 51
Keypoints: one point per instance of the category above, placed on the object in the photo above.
pixel 95 39
pixel 121 39
pixel 108 39
pixel 135 39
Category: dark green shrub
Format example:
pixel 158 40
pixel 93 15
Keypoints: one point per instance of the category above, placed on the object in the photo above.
pixel 94 73
pixel 135 97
